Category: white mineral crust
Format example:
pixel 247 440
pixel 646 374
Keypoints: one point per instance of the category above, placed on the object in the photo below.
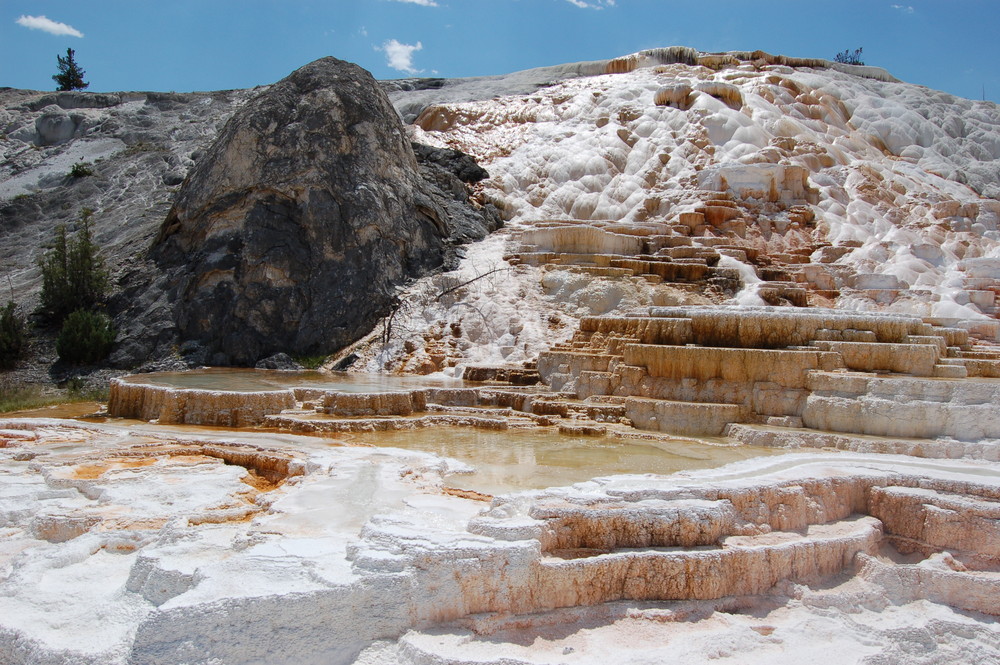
pixel 142 545
pixel 902 181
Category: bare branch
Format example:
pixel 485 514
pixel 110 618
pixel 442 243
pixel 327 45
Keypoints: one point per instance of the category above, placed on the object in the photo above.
pixel 466 283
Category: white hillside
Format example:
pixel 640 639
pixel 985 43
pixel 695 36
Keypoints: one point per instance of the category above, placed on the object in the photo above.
pixel 870 194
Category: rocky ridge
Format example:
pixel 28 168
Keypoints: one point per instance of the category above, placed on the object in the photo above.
pixel 138 147
pixel 306 213
pixel 156 156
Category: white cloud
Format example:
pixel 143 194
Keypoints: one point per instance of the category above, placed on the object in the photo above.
pixel 907 9
pixel 48 25
pixel 422 3
pixel 595 4
pixel 400 56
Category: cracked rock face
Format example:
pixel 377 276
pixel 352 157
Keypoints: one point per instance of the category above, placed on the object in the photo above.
pixel 294 230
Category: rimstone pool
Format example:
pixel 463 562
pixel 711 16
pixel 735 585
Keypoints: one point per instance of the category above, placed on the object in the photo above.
pixel 340 514
pixel 512 460
pixel 502 449
pixel 234 379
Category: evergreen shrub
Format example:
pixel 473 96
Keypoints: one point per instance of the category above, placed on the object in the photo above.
pixel 13 336
pixel 86 337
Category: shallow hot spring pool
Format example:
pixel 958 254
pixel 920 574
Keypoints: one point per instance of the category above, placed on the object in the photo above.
pixel 253 380
pixel 512 460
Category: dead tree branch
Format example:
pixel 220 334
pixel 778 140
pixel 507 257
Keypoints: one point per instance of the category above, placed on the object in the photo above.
pixel 466 283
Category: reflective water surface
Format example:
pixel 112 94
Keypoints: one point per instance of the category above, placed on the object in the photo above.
pixel 252 380
pixel 504 461
pixel 512 460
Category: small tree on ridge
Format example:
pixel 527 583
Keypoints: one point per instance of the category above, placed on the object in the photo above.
pixel 70 76
pixel 849 57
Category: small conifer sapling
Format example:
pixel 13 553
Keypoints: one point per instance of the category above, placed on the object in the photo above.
pixel 70 76
pixel 849 57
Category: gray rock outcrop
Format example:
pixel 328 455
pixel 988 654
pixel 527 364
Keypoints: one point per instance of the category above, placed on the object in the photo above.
pixel 135 144
pixel 293 231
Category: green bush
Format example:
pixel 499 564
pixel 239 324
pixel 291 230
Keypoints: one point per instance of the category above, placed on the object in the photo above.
pixel 13 338
pixel 73 274
pixel 849 57
pixel 310 362
pixel 86 337
pixel 70 76
pixel 80 170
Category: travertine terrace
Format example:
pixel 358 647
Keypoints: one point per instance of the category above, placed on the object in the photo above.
pixel 696 370
pixel 680 370
pixel 736 248
pixel 822 532
pixel 148 545
pixel 671 177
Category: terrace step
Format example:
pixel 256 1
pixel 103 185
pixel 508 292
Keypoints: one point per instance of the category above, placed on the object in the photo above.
pixel 684 418
pixel 306 424
pixel 925 520
pixel 517 376
pixel 771 436
pixel 739 565
pixel 942 371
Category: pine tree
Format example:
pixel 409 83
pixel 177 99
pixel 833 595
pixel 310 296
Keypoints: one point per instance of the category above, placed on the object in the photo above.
pixel 13 336
pixel 70 76
pixel 848 58
pixel 73 273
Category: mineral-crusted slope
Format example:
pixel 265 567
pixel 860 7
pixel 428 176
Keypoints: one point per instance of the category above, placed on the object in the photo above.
pixel 818 186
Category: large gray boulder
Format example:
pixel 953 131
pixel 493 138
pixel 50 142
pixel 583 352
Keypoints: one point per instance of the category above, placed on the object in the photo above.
pixel 293 231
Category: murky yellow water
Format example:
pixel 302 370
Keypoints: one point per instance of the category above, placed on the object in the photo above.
pixel 65 410
pixel 251 380
pixel 504 461
pixel 513 460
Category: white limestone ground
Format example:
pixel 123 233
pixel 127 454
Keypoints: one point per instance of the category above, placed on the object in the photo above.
pixel 795 629
pixel 108 532
pixel 144 544
pixel 845 620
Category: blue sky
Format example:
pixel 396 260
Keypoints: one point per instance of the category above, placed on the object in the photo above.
pixel 182 45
